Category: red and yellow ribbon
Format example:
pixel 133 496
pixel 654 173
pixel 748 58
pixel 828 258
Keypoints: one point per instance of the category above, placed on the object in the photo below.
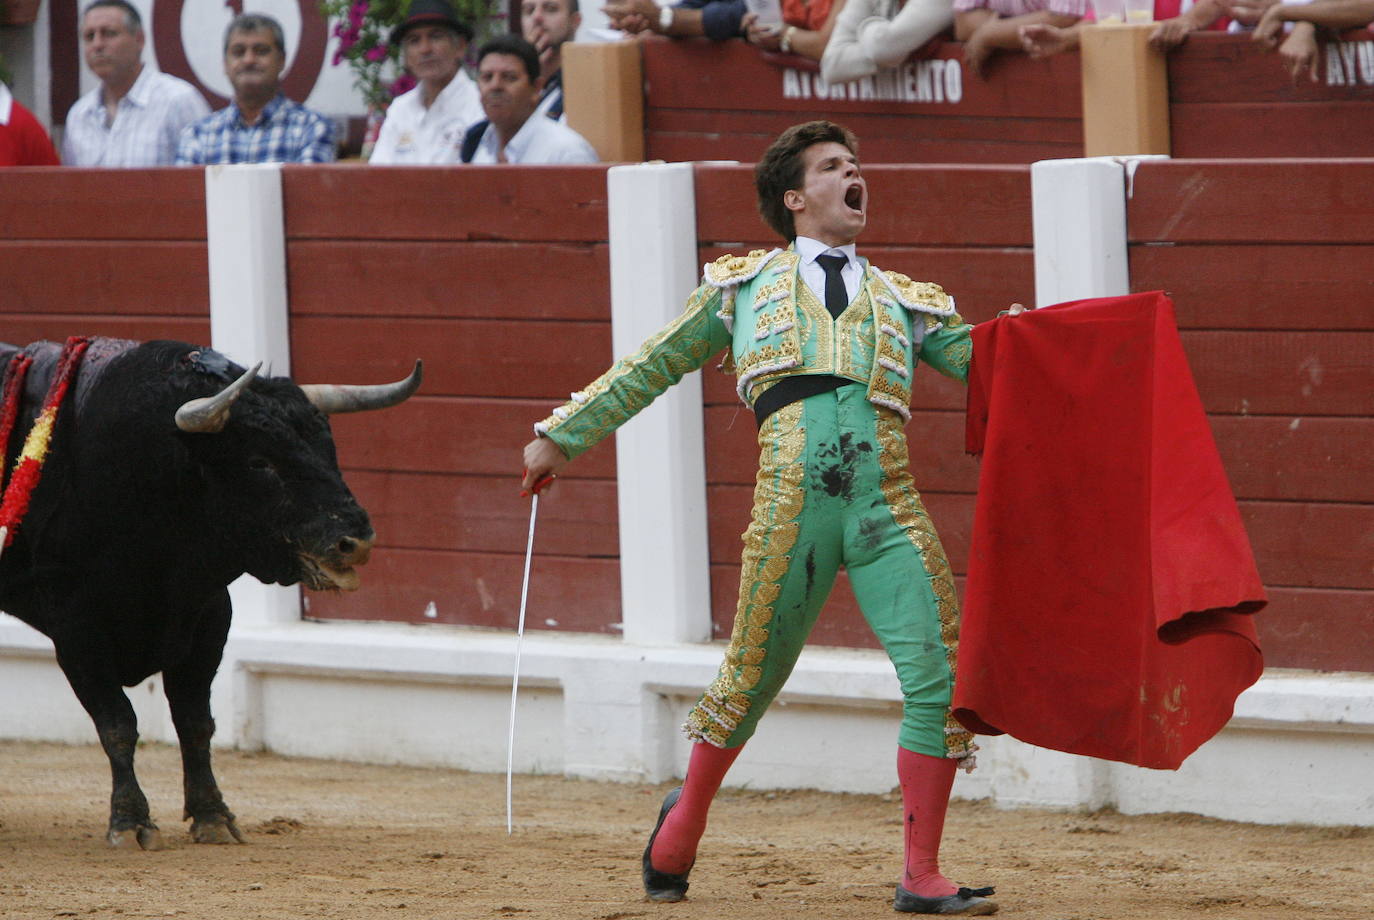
pixel 30 464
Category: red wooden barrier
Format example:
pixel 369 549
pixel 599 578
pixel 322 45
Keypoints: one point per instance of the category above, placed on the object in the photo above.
pixel 1228 98
pixel 499 280
pixel 1267 263
pixel 708 101
pixel 103 252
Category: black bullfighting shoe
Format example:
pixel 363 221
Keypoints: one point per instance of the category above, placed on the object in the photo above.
pixel 971 902
pixel 664 886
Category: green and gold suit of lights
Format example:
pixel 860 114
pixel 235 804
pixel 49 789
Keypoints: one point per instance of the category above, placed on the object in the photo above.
pixel 833 486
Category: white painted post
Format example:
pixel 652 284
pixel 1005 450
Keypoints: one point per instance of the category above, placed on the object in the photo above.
pixel 246 239
pixel 664 569
pixel 1079 223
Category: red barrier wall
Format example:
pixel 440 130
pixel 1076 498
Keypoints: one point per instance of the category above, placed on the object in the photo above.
pixel 1227 98
pixel 498 279
pixel 103 253
pixel 713 101
pixel 1268 265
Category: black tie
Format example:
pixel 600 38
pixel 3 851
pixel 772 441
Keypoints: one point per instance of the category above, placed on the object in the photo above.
pixel 836 298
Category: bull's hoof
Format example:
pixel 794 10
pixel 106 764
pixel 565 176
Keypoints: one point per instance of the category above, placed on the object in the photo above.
pixel 218 829
pixel 143 837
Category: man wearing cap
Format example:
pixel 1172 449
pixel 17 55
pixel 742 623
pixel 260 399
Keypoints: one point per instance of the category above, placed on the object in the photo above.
pixel 426 125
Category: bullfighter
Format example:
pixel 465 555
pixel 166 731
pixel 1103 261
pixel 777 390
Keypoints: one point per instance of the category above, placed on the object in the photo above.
pixel 824 346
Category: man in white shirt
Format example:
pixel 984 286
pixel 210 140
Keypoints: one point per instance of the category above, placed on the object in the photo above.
pixel 426 125
pixel 136 114
pixel 548 25
pixel 508 76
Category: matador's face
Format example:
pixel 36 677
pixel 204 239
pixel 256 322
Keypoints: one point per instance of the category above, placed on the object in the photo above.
pixel 832 204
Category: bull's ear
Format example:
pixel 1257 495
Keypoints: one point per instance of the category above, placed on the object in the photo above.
pixel 330 398
pixel 210 414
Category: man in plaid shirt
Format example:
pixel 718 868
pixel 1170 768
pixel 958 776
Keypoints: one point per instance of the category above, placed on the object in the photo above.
pixel 261 125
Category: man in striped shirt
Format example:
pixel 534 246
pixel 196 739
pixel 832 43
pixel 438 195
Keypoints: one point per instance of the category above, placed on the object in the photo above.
pixel 136 114
pixel 260 125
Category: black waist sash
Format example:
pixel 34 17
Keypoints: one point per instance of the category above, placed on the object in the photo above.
pixel 793 389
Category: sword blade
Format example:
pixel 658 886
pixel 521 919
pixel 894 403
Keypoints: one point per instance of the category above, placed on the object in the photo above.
pixel 515 678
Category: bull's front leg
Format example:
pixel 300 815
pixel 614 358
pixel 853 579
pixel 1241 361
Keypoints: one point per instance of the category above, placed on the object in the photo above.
pixel 100 692
pixel 187 685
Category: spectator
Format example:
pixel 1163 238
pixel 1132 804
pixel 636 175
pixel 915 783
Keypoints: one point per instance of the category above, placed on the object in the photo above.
pixel 805 30
pixel 985 26
pixel 873 35
pixel 136 114
pixel 508 74
pixel 717 20
pixel 23 142
pixel 1299 49
pixel 260 125
pixel 426 124
pixel 548 25
pixel 1176 22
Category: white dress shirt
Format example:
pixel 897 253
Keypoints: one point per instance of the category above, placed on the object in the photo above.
pixel 146 126
pixel 413 135
pixel 539 140
pixel 813 276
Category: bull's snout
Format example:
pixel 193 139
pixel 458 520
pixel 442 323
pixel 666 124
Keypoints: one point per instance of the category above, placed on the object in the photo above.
pixel 353 551
pixel 332 565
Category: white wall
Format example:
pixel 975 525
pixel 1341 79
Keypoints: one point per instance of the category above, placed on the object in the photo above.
pixel 1301 747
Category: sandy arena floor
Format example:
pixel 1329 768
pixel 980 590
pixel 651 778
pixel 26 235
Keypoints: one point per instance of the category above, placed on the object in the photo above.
pixel 342 840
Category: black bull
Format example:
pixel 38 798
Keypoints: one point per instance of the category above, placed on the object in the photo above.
pixel 154 497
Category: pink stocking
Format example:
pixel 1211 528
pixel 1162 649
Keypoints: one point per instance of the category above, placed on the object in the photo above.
pixel 926 782
pixel 675 847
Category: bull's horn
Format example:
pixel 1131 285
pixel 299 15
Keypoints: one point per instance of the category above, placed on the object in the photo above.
pixel 209 414
pixel 330 398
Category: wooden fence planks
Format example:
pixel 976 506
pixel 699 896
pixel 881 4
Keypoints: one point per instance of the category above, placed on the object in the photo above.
pixel 494 358
pixel 59 203
pixel 722 100
pixel 450 279
pixel 1260 285
pixel 479 589
pixel 533 203
pixel 1314 202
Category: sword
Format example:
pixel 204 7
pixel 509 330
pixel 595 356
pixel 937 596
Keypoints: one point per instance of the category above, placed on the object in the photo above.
pixel 519 641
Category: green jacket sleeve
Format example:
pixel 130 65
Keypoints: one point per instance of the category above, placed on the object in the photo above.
pixel 948 346
pixel 633 382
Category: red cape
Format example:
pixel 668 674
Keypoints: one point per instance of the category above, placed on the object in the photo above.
pixel 1110 578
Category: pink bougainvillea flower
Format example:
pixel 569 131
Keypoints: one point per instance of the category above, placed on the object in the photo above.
pixel 403 84
pixel 375 54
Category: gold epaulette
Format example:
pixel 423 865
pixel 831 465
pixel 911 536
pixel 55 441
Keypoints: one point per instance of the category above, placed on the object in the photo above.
pixel 731 270
pixel 925 296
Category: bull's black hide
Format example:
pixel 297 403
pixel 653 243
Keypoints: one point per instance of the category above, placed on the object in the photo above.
pixel 137 526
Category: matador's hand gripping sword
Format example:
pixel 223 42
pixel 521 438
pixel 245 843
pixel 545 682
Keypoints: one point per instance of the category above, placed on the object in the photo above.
pixel 519 641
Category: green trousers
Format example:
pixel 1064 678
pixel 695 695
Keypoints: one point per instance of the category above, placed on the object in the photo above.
pixel 834 489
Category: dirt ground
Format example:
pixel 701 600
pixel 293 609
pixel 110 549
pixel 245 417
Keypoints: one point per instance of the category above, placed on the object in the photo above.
pixel 342 840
